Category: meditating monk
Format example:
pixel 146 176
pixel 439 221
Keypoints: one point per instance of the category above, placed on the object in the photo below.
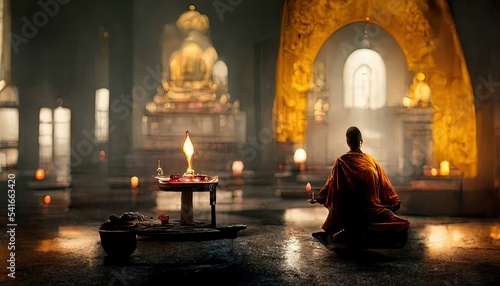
pixel 358 192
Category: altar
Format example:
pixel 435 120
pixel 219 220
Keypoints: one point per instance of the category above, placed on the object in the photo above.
pixel 119 233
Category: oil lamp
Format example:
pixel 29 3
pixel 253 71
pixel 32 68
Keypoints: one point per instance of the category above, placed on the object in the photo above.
pixel 188 149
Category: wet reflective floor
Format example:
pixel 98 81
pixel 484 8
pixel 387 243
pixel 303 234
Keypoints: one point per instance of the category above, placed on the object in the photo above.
pixel 57 243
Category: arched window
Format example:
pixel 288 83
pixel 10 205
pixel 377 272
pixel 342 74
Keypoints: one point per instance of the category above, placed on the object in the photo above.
pixel 365 80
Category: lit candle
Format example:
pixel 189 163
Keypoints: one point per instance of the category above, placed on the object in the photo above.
pixel 444 168
pixel 237 168
pixel 434 172
pixel 300 157
pixel 134 182
pixel 406 102
pixel 40 174
pixel 102 155
pixel 46 200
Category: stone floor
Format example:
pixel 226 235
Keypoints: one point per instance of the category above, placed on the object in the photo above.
pixel 57 242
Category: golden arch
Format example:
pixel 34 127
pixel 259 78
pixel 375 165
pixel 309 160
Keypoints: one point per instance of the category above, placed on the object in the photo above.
pixel 307 24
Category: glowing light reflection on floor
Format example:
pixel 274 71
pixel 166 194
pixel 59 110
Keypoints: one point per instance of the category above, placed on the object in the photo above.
pixel 439 239
pixel 292 253
pixel 307 218
pixel 72 240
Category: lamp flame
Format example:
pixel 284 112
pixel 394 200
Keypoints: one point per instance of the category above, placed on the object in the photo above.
pixel 300 157
pixel 188 149
pixel 308 187
pixel 134 182
pixel 237 168
pixel 40 174
pixel 434 172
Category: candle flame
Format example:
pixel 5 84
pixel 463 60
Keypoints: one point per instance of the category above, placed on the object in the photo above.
pixel 308 187
pixel 134 182
pixel 40 174
pixel 300 156
pixel 237 167
pixel 434 172
pixel 188 149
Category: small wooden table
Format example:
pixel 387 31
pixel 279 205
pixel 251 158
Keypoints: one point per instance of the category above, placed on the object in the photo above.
pixel 187 189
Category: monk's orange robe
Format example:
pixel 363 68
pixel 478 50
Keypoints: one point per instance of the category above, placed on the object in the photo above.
pixel 357 192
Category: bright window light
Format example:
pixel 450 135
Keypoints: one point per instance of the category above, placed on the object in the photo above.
pixel 102 115
pixel 365 83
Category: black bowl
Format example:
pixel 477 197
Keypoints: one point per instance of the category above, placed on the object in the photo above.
pixel 118 243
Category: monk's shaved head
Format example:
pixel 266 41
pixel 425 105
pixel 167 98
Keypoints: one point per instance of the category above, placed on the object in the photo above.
pixel 353 137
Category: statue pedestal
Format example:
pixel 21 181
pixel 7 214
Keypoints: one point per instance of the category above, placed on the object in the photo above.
pixel 416 148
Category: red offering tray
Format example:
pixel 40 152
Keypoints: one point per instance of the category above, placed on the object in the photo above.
pixel 200 183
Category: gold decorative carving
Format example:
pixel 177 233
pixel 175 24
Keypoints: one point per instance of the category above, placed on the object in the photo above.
pixel 307 24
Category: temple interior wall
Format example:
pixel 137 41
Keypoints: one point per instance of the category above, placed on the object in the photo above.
pixel 476 24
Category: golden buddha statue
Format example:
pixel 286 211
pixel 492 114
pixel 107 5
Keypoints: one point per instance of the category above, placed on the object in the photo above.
pixel 190 67
pixel 420 92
